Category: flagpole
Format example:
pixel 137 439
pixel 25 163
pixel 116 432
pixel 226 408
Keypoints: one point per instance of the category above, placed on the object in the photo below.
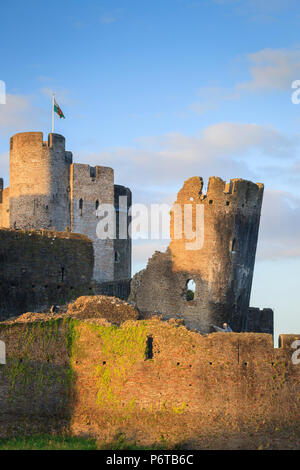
pixel 53 114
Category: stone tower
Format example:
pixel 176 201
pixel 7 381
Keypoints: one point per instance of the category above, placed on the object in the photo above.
pixel 221 268
pixel 90 187
pixel 39 181
pixel 48 191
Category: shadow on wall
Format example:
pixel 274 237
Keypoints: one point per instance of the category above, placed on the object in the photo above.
pixel 40 269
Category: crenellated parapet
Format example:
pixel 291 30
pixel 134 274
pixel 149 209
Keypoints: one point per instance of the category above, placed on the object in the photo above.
pixel 241 193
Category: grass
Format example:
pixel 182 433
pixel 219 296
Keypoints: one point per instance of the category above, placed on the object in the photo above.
pixel 47 442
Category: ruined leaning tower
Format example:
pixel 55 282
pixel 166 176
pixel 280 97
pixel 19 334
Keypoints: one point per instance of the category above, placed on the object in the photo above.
pixel 48 191
pixel 221 268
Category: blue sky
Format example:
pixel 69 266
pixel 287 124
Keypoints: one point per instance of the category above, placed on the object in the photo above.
pixel 164 90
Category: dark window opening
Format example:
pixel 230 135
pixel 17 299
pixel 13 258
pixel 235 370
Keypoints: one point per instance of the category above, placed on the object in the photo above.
pixel 233 245
pixel 93 172
pixel 117 257
pixel 211 202
pixel 149 348
pixel 81 204
pixel 227 203
pixel 97 204
pixel 62 274
pixel 190 290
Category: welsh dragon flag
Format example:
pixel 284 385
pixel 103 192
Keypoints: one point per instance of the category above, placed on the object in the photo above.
pixel 58 110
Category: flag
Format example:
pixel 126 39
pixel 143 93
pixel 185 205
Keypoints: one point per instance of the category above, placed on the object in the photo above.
pixel 58 110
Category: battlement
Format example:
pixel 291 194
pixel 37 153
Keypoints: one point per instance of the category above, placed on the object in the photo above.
pixel 36 139
pixel 92 173
pixel 238 192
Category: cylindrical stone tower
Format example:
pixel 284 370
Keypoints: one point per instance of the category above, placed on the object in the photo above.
pixel 39 182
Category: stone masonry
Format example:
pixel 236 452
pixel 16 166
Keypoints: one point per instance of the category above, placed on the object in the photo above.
pixel 48 191
pixel 222 269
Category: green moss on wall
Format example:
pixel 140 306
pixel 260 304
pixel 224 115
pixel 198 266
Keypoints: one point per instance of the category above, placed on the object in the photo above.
pixel 121 348
pixel 38 372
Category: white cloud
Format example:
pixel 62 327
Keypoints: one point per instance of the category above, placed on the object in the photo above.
pixel 272 69
pixel 157 170
pixel 211 97
pixel 225 149
pixel 280 226
pixel 19 114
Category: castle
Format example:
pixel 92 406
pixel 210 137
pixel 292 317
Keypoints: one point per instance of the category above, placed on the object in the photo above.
pixel 104 368
pixel 48 191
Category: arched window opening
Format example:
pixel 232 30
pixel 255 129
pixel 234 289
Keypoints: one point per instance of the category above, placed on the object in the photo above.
pixel 190 290
pixel 97 204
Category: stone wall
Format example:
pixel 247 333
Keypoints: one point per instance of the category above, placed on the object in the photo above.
pixel 120 289
pixel 39 269
pixel 222 267
pixel 48 192
pixel 175 384
pixel 260 321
